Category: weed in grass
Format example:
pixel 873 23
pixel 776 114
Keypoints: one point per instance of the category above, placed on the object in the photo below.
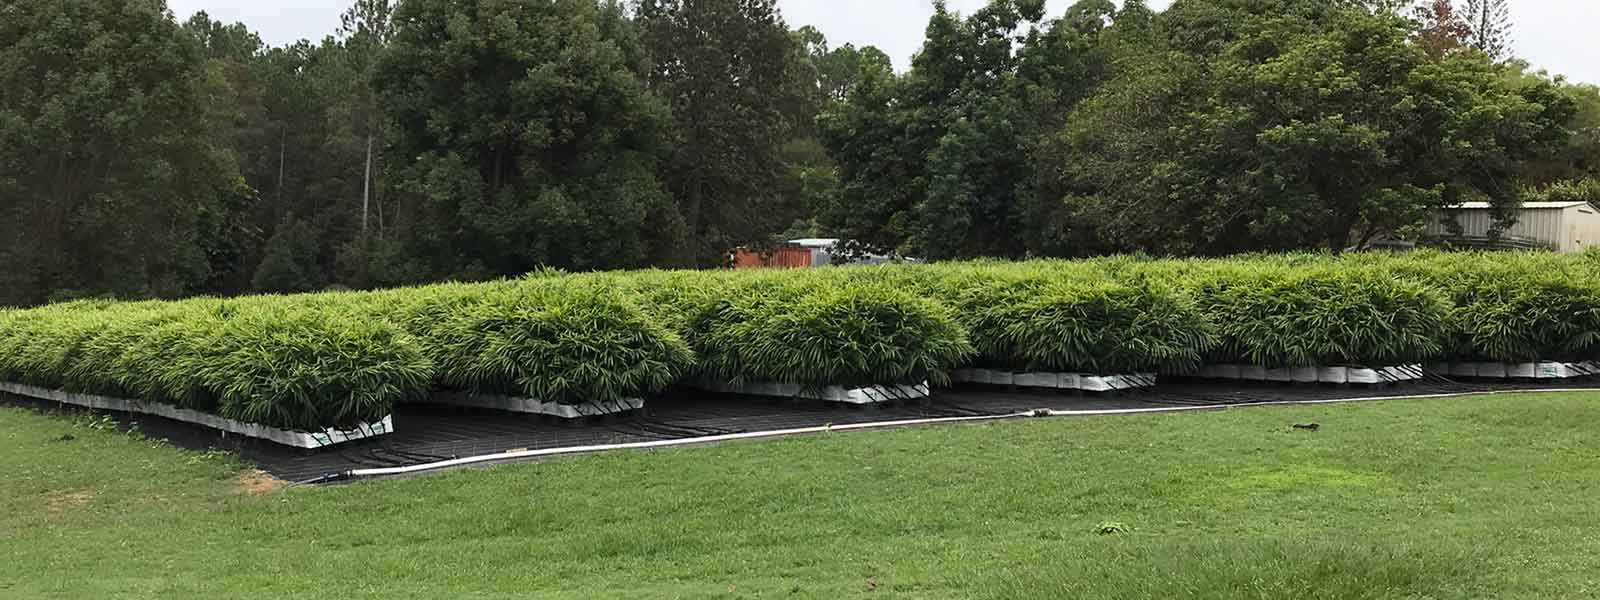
pixel 1111 528
pixel 94 422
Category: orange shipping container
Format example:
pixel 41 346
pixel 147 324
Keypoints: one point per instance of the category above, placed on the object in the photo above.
pixel 788 257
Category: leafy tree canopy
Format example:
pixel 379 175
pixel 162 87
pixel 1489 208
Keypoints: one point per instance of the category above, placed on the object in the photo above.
pixel 1250 127
pixel 523 138
pixel 110 180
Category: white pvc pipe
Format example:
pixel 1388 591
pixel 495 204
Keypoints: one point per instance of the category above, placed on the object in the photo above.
pixel 460 462
pixel 529 454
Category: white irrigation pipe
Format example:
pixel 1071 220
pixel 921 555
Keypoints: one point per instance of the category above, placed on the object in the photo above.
pixel 531 454
pixel 525 454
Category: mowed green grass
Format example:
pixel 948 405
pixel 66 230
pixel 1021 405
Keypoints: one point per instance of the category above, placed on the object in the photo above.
pixel 1472 498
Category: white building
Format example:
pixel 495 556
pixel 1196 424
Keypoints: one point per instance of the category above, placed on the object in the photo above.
pixel 1563 226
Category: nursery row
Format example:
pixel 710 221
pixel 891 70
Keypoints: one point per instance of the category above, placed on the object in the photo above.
pixel 337 359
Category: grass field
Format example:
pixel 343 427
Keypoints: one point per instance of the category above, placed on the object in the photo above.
pixel 1475 498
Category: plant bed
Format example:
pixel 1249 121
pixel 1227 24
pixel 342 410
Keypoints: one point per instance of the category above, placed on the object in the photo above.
pixel 531 406
pixel 1053 325
pixel 1301 323
pixel 1528 370
pixel 1056 381
pixel 864 395
pixel 255 366
pixel 1328 375
pixel 557 347
pixel 296 439
pixel 772 327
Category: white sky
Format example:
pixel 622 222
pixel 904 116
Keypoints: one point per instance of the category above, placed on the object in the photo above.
pixel 1558 35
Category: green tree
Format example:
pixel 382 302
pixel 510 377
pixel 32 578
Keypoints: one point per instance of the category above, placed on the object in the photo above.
pixel 839 69
pixel 1581 157
pixel 366 29
pixel 306 145
pixel 110 180
pixel 1250 126
pixel 307 127
pixel 1577 190
pixel 865 135
pixel 522 139
pixel 810 178
pixel 737 84
pixel 940 162
pixel 290 264
pixel 232 50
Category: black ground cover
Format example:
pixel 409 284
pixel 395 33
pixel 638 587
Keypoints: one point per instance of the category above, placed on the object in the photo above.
pixel 426 434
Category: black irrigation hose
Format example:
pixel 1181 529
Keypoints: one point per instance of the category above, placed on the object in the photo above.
pixel 417 456
pixel 943 408
pixel 372 455
pixel 645 431
pixel 1204 400
pixel 403 458
pixel 642 433
pixel 326 478
pixel 646 427
pixel 670 429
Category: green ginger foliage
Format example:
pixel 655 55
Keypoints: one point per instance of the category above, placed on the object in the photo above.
pixel 1060 317
pixel 260 360
pixel 559 342
pixel 813 328
pixel 313 361
pixel 1311 316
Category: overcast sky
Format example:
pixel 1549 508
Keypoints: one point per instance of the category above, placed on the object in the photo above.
pixel 1559 35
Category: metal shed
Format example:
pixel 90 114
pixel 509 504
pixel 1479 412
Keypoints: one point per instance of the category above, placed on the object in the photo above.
pixel 1563 226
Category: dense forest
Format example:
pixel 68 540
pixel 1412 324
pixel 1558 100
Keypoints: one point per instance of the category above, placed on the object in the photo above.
pixel 425 140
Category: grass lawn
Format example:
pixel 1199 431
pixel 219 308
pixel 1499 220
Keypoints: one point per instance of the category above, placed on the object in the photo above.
pixel 1475 498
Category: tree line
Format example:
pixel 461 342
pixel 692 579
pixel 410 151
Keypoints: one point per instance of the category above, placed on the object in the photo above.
pixel 427 140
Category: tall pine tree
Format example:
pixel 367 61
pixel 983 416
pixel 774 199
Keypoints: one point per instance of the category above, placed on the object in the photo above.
pixel 1490 21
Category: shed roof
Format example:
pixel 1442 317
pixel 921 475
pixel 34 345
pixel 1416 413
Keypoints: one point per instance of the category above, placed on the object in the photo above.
pixel 1525 205
pixel 816 242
